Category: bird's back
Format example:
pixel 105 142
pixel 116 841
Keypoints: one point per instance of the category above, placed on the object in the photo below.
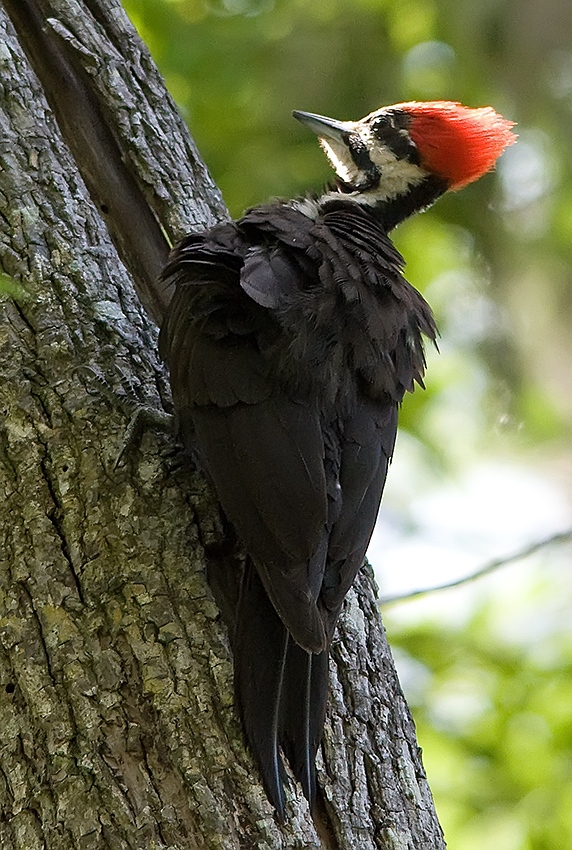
pixel 291 339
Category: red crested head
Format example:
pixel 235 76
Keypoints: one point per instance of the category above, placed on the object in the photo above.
pixel 456 142
pixel 399 159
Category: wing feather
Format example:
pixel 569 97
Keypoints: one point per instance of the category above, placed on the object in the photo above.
pixel 367 445
pixel 275 495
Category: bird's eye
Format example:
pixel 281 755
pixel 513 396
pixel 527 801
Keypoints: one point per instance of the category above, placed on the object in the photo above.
pixel 380 125
pixel 391 130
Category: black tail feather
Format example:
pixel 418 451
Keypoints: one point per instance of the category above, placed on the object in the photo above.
pixel 302 709
pixel 260 647
pixel 281 692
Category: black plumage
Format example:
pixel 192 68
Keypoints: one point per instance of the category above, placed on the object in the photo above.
pixel 291 340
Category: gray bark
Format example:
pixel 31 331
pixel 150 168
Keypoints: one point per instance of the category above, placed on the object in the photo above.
pixel 116 719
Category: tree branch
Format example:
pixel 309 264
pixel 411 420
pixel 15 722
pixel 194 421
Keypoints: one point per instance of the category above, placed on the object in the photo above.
pixel 65 53
pixel 486 569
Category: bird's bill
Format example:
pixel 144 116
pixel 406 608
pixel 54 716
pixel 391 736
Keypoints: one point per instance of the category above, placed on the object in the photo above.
pixel 325 128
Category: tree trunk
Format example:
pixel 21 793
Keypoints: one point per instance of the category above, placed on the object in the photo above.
pixel 116 718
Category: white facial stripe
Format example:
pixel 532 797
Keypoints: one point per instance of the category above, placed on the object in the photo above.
pixel 341 160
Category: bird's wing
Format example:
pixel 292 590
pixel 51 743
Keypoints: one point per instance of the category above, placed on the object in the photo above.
pixel 367 445
pixel 265 461
pixel 263 450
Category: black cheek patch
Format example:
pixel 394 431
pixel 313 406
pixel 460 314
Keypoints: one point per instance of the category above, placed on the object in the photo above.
pixel 360 155
pixel 405 148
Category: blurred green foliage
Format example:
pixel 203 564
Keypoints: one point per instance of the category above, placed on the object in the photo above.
pixel 491 702
pixel 495 259
pixel 495 263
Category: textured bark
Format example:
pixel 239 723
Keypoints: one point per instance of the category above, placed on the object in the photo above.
pixel 116 721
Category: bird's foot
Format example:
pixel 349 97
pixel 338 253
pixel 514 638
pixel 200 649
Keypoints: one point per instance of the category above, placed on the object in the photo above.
pixel 142 419
pixel 141 416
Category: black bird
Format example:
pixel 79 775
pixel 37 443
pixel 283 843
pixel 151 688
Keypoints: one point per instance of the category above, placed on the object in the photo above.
pixel 291 339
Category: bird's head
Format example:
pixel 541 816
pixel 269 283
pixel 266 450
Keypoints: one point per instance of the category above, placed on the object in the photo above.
pixel 401 158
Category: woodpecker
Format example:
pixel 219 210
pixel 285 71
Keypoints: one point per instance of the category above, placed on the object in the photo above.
pixel 291 339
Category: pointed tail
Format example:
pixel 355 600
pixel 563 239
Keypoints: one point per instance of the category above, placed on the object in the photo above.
pixel 281 692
